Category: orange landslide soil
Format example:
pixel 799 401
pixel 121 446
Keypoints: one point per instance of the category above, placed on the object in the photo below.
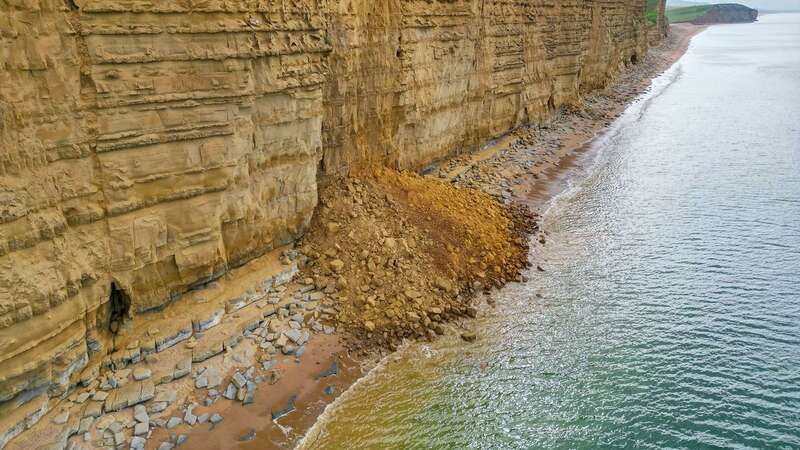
pixel 402 254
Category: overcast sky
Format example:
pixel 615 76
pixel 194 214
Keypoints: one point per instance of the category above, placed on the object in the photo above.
pixel 760 4
pixel 770 4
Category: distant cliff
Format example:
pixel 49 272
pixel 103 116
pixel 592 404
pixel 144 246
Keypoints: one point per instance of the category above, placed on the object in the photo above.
pixel 727 13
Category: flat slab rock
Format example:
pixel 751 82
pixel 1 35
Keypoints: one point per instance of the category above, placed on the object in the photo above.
pixel 129 395
pixel 167 341
pixel 204 323
pixel 209 379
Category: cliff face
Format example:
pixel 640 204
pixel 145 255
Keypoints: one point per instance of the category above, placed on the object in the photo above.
pixel 662 24
pixel 149 146
pixel 727 13
pixel 412 81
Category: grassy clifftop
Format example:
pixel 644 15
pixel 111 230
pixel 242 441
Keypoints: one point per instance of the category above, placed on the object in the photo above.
pixel 678 14
pixel 686 14
pixel 652 11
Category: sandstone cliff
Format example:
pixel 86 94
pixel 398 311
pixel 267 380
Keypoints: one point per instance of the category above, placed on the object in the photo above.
pixel 147 147
pixel 727 13
pixel 414 81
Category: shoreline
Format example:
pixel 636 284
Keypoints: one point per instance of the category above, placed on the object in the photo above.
pixel 527 166
pixel 574 133
pixel 607 167
pixel 539 192
pixel 312 403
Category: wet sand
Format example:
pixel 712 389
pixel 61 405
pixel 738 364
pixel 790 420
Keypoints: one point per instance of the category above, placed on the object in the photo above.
pixel 307 383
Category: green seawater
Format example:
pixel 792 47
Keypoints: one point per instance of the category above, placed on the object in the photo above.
pixel 669 312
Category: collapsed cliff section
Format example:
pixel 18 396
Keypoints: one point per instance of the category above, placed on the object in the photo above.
pixel 401 254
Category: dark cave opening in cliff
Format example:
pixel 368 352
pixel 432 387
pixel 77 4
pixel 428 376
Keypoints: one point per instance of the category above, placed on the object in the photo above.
pixel 119 304
pixel 634 58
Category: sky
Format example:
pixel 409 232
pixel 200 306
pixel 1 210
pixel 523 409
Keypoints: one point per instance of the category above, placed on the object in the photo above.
pixel 762 4
pixel 770 4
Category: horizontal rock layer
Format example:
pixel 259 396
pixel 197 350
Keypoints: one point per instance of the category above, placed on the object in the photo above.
pixel 147 147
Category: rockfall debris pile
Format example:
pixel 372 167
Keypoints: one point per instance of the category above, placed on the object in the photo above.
pixel 400 254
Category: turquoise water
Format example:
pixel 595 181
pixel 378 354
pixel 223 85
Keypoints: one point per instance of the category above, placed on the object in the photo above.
pixel 669 312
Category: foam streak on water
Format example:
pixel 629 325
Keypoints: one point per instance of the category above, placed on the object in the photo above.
pixel 669 314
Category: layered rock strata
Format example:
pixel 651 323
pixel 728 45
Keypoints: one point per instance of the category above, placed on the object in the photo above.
pixel 414 81
pixel 147 147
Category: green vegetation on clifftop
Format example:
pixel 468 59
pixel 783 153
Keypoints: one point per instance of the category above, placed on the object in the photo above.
pixel 676 14
pixel 652 11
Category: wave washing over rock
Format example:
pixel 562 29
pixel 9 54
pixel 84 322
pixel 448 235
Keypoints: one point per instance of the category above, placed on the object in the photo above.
pixel 150 147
